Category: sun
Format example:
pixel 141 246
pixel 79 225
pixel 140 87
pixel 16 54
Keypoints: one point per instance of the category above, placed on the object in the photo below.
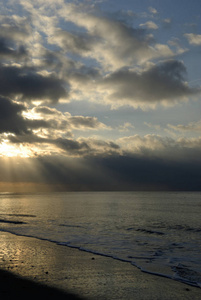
pixel 10 150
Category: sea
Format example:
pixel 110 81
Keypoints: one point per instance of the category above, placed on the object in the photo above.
pixel 157 232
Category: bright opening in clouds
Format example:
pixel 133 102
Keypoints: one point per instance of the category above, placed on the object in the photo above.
pixel 100 95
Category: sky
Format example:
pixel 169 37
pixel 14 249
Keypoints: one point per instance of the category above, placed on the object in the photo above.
pixel 100 95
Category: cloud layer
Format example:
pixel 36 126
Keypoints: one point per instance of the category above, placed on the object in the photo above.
pixel 28 85
pixel 162 83
pixel 66 68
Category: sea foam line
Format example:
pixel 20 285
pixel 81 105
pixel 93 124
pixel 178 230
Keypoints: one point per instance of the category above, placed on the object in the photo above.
pixel 66 244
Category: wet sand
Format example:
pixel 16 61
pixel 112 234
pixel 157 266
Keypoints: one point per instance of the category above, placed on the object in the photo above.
pixel 14 287
pixel 72 272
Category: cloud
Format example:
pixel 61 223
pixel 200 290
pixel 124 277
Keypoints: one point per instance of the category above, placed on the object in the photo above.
pixel 101 147
pixel 11 120
pixel 165 148
pixel 190 127
pixel 46 111
pixel 50 146
pixel 15 123
pixel 149 144
pixel 131 172
pixel 15 28
pixel 175 42
pixel 82 147
pixel 114 172
pixel 7 49
pixel 193 39
pixel 153 10
pixel 81 122
pixel 92 44
pixel 79 43
pixel 149 25
pixel 49 131
pixel 69 121
pixel 110 41
pixel 72 147
pixel 167 23
pixel 29 85
pixel 14 31
pixel 102 42
pixel 75 51
pixel 156 127
pixel 162 83
pixel 86 147
pixel 126 127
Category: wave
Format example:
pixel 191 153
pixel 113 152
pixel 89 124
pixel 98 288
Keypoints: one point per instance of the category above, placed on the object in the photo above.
pixel 185 228
pixel 150 231
pixel 74 226
pixel 12 222
pixel 177 227
pixel 189 275
pixel 181 272
pixel 19 215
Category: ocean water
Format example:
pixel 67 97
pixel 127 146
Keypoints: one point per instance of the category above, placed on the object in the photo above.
pixel 157 232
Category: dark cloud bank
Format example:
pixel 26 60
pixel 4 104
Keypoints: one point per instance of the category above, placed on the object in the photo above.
pixel 130 173
pixel 30 85
pixel 127 172
pixel 164 81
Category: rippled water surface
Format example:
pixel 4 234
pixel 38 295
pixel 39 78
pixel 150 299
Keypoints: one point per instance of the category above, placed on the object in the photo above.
pixel 159 232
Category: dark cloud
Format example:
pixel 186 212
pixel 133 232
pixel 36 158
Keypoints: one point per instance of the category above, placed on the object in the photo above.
pixel 39 124
pixel 45 110
pixel 15 31
pixel 110 173
pixel 83 75
pixel 10 50
pixel 85 122
pixel 50 59
pixel 161 82
pixel 135 173
pixel 67 146
pixel 15 27
pixel 52 128
pixel 11 120
pixel 105 144
pixel 27 83
pixel 72 147
pixel 74 42
pixel 145 173
pixel 68 121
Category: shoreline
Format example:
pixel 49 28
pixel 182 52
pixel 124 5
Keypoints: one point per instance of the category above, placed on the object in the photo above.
pixel 76 272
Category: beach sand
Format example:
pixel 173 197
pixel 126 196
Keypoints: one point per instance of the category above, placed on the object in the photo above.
pixel 44 268
pixel 13 287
